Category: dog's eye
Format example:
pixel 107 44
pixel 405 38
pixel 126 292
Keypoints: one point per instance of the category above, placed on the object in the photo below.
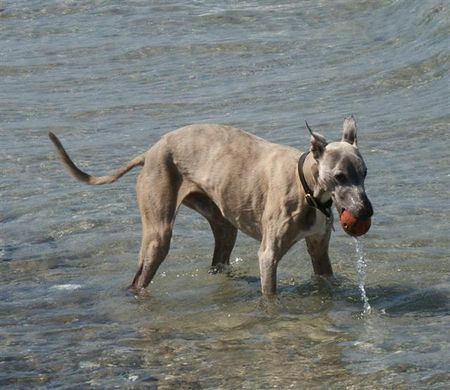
pixel 340 178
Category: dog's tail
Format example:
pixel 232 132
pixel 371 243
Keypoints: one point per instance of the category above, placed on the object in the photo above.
pixel 86 178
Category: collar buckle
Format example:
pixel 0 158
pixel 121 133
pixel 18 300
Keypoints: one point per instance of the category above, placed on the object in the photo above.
pixel 311 201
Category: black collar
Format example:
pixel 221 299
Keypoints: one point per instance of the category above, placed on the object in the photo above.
pixel 325 207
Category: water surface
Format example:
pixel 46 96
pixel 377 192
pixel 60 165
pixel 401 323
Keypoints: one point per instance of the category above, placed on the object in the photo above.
pixel 110 78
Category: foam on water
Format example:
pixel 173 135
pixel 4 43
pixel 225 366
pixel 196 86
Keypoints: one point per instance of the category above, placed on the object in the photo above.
pixel 361 267
pixel 66 287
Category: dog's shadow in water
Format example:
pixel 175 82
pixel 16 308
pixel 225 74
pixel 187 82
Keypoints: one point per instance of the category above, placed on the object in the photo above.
pixel 392 300
pixel 317 294
pixel 409 300
pixel 389 300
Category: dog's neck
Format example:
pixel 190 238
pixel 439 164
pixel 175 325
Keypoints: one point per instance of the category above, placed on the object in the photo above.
pixel 311 173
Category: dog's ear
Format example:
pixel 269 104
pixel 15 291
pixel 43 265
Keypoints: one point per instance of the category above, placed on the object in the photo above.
pixel 318 143
pixel 349 131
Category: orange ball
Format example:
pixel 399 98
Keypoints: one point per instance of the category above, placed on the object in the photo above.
pixel 353 225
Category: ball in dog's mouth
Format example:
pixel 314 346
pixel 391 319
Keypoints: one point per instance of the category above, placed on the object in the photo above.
pixel 352 225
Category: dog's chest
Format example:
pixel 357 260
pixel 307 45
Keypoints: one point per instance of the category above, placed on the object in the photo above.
pixel 309 223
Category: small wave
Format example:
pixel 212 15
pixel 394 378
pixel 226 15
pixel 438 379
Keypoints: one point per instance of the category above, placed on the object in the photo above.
pixel 66 287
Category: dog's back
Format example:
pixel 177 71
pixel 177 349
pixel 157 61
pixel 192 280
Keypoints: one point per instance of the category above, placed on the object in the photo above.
pixel 236 169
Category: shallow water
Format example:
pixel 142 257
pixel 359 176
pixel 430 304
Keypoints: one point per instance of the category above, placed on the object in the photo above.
pixel 110 78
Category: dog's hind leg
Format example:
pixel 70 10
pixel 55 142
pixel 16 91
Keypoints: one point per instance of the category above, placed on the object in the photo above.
pixel 224 232
pixel 158 209
pixel 225 237
pixel 318 250
pixel 154 248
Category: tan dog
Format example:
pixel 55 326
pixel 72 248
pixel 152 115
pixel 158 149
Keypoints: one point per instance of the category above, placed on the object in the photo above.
pixel 239 181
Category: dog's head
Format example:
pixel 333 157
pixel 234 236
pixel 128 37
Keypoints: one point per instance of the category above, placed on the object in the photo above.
pixel 342 171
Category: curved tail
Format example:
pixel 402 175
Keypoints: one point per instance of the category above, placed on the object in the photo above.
pixel 86 178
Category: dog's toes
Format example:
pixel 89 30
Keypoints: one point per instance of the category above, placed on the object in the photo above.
pixel 214 269
pixel 132 290
pixel 218 268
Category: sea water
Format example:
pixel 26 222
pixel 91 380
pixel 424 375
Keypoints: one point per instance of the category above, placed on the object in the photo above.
pixel 110 78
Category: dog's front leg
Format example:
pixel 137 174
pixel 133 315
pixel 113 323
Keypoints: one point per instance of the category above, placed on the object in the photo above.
pixel 268 262
pixel 318 250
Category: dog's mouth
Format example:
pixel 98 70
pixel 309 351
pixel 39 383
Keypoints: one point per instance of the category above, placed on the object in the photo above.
pixel 333 198
pixel 339 209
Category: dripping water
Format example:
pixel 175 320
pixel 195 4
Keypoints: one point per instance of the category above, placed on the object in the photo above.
pixel 361 267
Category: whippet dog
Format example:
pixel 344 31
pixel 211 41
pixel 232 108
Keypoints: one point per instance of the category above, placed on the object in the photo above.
pixel 239 181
